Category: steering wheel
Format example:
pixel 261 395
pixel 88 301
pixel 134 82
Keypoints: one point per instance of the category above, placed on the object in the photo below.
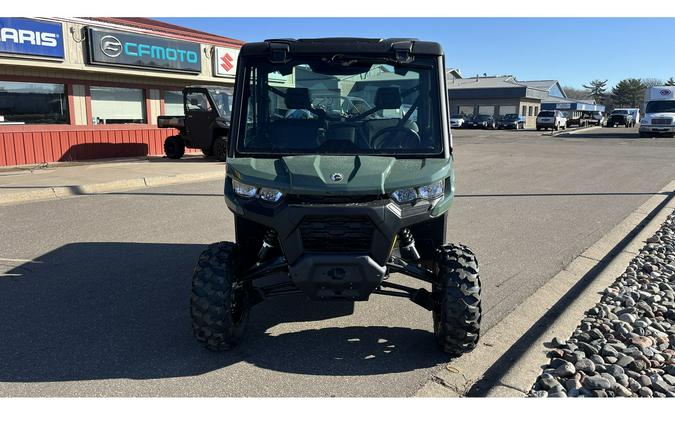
pixel 396 142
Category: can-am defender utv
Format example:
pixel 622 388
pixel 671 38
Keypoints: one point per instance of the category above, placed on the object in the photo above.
pixel 330 200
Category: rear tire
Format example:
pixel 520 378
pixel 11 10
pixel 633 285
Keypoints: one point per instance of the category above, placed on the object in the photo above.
pixel 457 304
pixel 220 148
pixel 174 147
pixel 219 305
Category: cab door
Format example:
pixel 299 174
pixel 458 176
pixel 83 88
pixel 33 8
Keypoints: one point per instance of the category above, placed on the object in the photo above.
pixel 200 115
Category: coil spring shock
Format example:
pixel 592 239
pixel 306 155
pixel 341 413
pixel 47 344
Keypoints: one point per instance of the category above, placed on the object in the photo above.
pixel 269 242
pixel 407 247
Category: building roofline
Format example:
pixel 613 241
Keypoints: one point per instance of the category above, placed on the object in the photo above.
pixel 155 27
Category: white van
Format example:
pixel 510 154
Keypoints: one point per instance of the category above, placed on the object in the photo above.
pixel 659 112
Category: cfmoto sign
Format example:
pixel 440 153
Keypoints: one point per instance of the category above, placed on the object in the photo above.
pixel 116 48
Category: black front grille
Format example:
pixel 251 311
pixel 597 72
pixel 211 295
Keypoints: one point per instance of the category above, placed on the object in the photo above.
pixel 338 199
pixel 336 233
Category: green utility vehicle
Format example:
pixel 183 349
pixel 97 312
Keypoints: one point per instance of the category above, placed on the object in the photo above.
pixel 331 201
pixel 205 122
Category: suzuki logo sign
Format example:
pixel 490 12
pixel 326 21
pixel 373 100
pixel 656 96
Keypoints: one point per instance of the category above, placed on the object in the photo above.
pixel 225 61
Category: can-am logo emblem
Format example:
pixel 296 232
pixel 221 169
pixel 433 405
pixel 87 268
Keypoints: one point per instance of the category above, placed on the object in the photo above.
pixel 665 92
pixel 111 46
pixel 336 177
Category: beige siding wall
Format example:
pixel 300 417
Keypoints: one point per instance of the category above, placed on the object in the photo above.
pixel 79 105
pixel 155 105
pixel 530 121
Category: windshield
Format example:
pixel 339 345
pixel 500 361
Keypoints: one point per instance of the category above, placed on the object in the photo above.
pixel 510 117
pixel 456 116
pixel 620 112
pixel 661 107
pixel 341 105
pixel 222 97
pixel 546 114
pixel 483 117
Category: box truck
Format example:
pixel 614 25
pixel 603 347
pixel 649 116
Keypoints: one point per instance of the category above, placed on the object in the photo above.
pixel 659 116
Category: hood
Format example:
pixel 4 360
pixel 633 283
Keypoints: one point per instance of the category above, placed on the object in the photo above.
pixel 361 174
pixel 660 115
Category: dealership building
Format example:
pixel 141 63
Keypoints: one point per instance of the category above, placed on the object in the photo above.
pixel 86 88
pixel 501 95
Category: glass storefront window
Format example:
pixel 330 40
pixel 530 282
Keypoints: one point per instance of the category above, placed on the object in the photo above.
pixel 504 110
pixel 465 110
pixel 113 105
pixel 173 103
pixel 33 103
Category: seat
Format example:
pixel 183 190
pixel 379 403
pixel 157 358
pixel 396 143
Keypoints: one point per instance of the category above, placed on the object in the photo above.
pixel 295 134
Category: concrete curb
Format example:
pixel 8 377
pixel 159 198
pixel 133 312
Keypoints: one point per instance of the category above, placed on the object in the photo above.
pixel 580 130
pixel 511 355
pixel 43 194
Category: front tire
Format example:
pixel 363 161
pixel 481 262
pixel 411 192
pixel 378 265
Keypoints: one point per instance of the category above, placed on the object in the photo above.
pixel 174 147
pixel 457 303
pixel 219 304
pixel 220 148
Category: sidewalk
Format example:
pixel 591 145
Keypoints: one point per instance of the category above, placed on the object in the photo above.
pixel 37 183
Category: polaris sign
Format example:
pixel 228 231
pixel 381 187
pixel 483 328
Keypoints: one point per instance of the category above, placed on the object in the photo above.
pixel 31 37
pixel 114 48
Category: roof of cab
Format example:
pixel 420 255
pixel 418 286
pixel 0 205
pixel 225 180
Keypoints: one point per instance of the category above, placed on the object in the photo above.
pixel 342 46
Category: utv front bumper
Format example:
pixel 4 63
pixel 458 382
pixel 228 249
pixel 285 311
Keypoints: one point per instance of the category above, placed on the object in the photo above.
pixel 335 250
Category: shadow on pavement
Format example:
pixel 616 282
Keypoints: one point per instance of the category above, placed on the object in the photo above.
pixel 120 310
pixel 619 134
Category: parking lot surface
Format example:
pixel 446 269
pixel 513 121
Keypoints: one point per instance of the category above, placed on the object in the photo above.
pixel 94 290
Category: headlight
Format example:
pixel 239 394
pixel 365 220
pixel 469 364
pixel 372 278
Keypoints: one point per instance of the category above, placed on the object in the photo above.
pixel 432 191
pixel 644 122
pixel 242 189
pixel 403 196
pixel 270 195
pixel 250 191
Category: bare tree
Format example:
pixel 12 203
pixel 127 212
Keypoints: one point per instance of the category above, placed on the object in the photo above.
pixel 577 94
pixel 650 82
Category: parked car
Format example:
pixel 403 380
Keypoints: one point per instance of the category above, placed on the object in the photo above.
pixel 457 120
pixel 621 117
pixel 482 121
pixel 597 119
pixel 551 119
pixel 511 121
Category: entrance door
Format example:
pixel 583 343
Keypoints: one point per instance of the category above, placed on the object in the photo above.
pixel 200 114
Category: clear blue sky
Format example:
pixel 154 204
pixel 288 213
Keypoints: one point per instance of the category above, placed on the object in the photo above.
pixel 571 50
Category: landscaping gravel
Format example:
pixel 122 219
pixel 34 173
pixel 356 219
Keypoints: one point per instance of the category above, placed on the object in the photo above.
pixel 624 345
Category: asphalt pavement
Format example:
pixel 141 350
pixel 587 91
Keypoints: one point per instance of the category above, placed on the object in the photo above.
pixel 94 290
